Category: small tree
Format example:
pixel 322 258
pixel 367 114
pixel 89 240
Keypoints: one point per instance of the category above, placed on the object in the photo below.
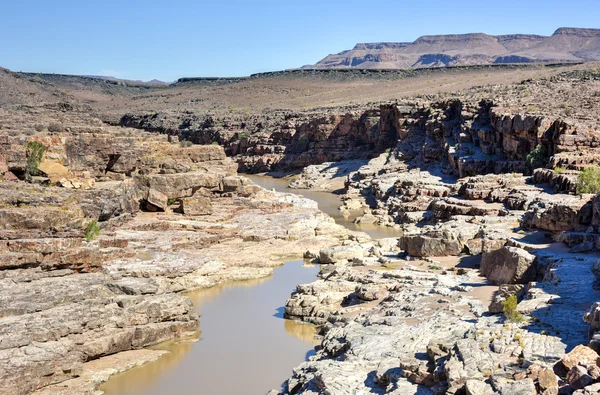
pixel 588 181
pixel 509 308
pixel 92 230
pixel 34 151
pixel 538 157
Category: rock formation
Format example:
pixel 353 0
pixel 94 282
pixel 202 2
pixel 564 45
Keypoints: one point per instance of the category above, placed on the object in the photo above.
pixel 566 44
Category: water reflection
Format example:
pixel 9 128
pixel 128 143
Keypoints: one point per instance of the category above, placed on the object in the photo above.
pixel 143 378
pixel 242 348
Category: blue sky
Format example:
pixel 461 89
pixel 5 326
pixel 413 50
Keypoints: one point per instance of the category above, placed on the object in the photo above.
pixel 171 39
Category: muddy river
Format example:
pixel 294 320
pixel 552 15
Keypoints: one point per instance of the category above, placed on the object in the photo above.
pixel 245 346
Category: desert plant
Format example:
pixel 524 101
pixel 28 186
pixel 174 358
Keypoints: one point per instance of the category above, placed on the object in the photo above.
pixel 185 144
pixel 538 157
pixel 588 181
pixel 34 152
pixel 38 127
pixel 558 170
pixel 92 230
pixel 509 308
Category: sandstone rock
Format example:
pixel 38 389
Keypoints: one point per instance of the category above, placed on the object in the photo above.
pixel 580 355
pixel 592 316
pixel 521 387
pixel 578 377
pixel 503 292
pixel 341 253
pixel 53 169
pixel 477 387
pixel 508 265
pixel 157 200
pixel 196 205
pixel 433 243
pixel 547 380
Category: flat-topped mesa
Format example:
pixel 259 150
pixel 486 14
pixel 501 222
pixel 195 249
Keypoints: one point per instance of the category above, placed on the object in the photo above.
pixel 577 31
pixel 381 45
pixel 565 45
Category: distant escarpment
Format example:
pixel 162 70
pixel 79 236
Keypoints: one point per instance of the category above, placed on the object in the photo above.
pixel 565 45
pixel 480 131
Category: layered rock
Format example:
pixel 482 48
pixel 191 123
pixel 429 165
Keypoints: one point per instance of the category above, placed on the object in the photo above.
pixel 86 273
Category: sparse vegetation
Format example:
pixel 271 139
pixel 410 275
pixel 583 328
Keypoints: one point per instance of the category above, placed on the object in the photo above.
pixel 434 267
pixel 509 308
pixel 172 201
pixel 558 170
pixel 34 151
pixel 185 144
pixel 92 230
pixel 38 127
pixel 538 157
pixel 215 143
pixel 588 181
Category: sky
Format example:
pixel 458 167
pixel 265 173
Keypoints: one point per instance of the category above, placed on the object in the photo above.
pixel 149 39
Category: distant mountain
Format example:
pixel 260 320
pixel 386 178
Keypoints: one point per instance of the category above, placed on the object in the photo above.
pixel 565 45
pixel 108 78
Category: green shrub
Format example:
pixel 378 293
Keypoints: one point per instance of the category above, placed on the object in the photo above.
pixel 538 157
pixel 215 143
pixel 34 151
pixel 243 135
pixel 172 201
pixel 588 181
pixel 92 230
pixel 509 308
pixel 558 170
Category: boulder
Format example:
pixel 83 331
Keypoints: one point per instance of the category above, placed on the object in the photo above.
pixel 508 265
pixel 340 253
pixel 432 243
pixel 156 200
pixel 196 205
pixel 547 380
pixel 578 377
pixel 503 292
pixel 520 387
pixel 592 316
pixel 580 355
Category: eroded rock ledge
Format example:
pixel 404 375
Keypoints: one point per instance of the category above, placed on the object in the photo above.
pixel 171 218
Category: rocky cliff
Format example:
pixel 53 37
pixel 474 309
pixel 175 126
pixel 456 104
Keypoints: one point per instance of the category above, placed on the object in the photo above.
pixel 565 45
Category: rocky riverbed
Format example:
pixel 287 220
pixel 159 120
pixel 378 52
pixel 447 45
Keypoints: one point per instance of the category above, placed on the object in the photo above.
pixel 94 261
pixel 487 285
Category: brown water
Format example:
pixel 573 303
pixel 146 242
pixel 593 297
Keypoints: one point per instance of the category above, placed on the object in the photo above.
pixel 328 203
pixel 245 347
